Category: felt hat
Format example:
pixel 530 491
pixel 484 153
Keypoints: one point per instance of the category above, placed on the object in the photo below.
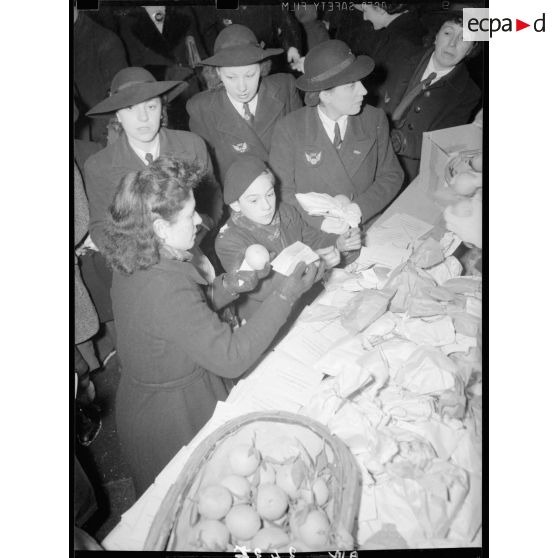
pixel 236 45
pixel 134 85
pixel 330 64
pixel 240 175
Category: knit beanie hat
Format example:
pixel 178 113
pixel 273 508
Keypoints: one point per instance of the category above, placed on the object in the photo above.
pixel 240 175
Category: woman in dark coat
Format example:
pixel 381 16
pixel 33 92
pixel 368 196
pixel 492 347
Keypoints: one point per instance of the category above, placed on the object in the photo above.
pixel 138 100
pixel 220 116
pixel 433 91
pixel 335 145
pixel 177 356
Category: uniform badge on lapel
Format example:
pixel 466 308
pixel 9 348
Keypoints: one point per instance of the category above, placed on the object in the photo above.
pixel 313 158
pixel 387 98
pixel 227 22
pixel 240 147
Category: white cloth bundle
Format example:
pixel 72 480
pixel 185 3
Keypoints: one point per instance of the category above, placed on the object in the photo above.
pixel 339 212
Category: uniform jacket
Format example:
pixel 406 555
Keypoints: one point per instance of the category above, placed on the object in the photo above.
pixel 104 171
pixel 448 102
pixel 365 168
pixel 176 357
pixel 239 232
pixel 214 118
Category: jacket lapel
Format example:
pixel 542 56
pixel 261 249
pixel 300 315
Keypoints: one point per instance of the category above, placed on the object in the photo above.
pixel 124 156
pixel 355 146
pixel 236 131
pixel 331 168
pixel 269 107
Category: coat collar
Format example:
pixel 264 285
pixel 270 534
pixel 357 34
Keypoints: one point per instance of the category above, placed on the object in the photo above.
pixel 145 31
pixel 268 109
pixel 456 79
pixel 125 157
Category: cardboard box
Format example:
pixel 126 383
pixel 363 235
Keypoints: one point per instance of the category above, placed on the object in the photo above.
pixel 439 146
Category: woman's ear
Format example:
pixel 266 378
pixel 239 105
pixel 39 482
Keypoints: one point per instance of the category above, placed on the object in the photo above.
pixel 160 227
pixel 235 206
pixel 323 96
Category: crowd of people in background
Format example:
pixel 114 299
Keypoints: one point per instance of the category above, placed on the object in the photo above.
pixel 194 129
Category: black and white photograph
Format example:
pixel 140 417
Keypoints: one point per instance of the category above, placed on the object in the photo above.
pixel 278 262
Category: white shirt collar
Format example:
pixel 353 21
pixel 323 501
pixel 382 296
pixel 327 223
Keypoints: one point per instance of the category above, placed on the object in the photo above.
pixel 329 124
pixel 155 151
pixel 240 106
pixel 439 73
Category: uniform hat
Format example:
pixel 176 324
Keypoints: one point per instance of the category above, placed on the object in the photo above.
pixel 330 64
pixel 131 86
pixel 240 175
pixel 236 45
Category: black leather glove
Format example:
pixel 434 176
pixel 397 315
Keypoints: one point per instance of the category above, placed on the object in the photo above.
pixel 298 282
pixel 236 282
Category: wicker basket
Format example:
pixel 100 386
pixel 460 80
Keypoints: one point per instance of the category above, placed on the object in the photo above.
pixel 276 434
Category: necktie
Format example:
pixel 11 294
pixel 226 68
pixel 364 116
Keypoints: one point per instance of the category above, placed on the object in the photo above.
pixel 248 116
pixel 410 97
pixel 337 137
pixel 149 158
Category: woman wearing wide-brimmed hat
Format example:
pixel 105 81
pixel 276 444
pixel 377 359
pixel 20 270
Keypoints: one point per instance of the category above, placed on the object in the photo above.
pixel 335 145
pixel 240 116
pixel 137 100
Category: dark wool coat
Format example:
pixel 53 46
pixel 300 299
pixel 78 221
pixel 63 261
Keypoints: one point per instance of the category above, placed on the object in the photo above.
pixel 98 55
pixel 214 118
pixel 104 171
pixel 237 234
pixel 176 357
pixel 391 49
pixel 451 101
pixel 365 168
pixel 276 27
pixel 155 51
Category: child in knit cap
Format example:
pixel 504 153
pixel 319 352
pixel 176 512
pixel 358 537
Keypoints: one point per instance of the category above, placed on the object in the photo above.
pixel 258 218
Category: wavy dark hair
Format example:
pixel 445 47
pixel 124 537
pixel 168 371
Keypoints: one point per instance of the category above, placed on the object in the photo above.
pixel 159 191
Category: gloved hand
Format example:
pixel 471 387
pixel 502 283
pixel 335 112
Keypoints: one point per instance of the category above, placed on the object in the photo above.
pixel 236 282
pixel 349 241
pixel 298 282
pixel 397 140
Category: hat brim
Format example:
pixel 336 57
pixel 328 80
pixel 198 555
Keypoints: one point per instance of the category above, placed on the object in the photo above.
pixel 241 55
pixel 359 69
pixel 138 94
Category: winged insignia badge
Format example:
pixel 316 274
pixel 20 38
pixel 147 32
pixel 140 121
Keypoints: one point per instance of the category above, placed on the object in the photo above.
pixel 313 158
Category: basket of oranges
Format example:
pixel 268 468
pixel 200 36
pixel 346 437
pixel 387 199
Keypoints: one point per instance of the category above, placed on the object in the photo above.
pixel 270 481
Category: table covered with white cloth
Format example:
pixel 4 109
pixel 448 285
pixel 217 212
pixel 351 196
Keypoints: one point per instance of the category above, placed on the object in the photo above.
pixel 388 357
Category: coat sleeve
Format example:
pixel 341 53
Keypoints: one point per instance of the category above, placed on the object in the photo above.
pixel 81 209
pixel 388 177
pixel 309 235
pixel 100 194
pixel 230 248
pixel 213 344
pixel 455 114
pixel 210 197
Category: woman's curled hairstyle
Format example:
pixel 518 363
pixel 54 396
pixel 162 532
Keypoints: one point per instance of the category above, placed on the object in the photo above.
pixel 159 191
